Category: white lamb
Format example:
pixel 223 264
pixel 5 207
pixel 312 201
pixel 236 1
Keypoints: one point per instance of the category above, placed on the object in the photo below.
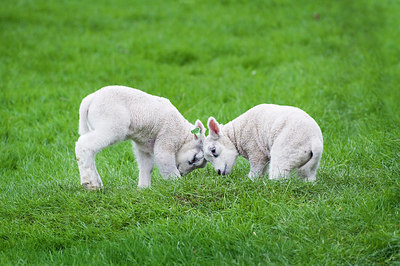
pixel 285 137
pixel 159 134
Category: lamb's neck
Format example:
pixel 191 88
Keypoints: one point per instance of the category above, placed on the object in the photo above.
pixel 176 133
pixel 229 131
pixel 187 136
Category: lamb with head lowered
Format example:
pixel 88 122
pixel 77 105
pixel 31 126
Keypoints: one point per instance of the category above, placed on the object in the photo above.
pixel 284 137
pixel 159 134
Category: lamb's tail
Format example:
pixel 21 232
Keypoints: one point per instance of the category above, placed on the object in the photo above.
pixel 308 170
pixel 316 149
pixel 83 115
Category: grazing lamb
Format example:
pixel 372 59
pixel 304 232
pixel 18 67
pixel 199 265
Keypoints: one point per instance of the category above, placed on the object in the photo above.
pixel 159 134
pixel 285 136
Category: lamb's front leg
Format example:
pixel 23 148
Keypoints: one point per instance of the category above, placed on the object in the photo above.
pixel 165 161
pixel 258 163
pixel 145 163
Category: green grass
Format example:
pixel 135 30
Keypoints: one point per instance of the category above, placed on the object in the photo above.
pixel 216 58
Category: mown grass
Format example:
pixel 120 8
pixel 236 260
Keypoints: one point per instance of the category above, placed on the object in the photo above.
pixel 336 60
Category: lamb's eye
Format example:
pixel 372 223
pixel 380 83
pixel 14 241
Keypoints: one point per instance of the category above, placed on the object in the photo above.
pixel 213 151
pixel 193 160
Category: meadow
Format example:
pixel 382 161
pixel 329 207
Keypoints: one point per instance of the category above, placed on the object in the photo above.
pixel 337 60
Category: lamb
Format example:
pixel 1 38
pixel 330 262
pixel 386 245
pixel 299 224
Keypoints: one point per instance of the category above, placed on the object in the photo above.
pixel 159 134
pixel 285 137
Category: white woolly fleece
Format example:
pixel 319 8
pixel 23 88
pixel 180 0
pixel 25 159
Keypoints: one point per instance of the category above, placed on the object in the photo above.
pixel 284 136
pixel 159 133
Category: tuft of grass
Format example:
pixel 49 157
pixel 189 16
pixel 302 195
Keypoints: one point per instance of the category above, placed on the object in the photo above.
pixel 338 61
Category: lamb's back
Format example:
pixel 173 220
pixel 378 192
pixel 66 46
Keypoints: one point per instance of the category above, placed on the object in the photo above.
pixel 147 113
pixel 266 122
pixel 131 98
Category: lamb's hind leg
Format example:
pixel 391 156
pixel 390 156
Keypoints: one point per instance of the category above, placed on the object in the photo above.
pixel 309 170
pixel 284 161
pixel 307 174
pixel 278 170
pixel 86 148
pixel 281 163
pixel 146 164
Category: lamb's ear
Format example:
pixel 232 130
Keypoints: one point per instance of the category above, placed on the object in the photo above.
pixel 199 130
pixel 213 126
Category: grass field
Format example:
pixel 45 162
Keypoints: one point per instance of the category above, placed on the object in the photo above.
pixel 337 60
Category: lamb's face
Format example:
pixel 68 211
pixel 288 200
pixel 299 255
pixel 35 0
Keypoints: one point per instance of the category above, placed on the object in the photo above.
pixel 221 153
pixel 219 150
pixel 191 155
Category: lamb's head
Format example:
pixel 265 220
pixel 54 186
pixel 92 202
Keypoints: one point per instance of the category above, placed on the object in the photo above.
pixel 191 155
pixel 219 149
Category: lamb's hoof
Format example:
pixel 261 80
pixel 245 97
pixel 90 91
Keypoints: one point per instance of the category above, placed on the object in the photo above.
pixel 176 178
pixel 253 176
pixel 312 180
pixel 90 186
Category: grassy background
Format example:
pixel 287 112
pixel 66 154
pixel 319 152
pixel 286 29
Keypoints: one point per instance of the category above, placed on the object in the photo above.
pixel 337 60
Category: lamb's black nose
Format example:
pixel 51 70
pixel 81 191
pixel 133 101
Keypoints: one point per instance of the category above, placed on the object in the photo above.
pixel 219 171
